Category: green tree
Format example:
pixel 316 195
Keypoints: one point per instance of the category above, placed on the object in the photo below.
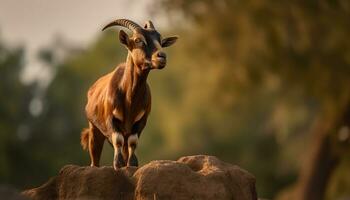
pixel 269 68
pixel 14 101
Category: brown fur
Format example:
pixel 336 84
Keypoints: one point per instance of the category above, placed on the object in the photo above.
pixel 120 101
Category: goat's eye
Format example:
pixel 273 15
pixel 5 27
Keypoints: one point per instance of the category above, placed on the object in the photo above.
pixel 138 41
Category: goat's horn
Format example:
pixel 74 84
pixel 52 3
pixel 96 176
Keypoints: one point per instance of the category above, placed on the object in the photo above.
pixel 125 23
pixel 149 25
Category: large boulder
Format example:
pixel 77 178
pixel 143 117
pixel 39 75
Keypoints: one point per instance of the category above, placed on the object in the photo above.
pixel 191 177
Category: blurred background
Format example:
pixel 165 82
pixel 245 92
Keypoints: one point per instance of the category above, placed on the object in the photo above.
pixel 261 84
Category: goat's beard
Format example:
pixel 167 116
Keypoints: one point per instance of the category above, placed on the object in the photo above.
pixel 146 66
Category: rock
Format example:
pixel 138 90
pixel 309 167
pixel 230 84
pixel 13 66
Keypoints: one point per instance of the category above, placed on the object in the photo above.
pixel 74 182
pixel 192 177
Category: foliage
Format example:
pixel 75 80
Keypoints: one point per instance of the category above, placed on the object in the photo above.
pixel 270 69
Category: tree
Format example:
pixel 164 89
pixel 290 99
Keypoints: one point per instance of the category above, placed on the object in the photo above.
pixel 14 101
pixel 294 56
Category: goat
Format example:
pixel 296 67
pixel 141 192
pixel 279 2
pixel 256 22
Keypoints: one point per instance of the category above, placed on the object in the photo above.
pixel 118 104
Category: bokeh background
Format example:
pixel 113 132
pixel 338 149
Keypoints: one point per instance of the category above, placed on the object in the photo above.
pixel 261 84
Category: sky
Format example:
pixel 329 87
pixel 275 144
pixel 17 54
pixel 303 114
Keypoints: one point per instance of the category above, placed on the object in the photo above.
pixel 35 23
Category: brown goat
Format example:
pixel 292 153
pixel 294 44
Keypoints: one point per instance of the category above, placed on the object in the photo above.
pixel 119 102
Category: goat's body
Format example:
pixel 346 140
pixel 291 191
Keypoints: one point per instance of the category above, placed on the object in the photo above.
pixel 115 103
pixel 119 102
pixel 108 98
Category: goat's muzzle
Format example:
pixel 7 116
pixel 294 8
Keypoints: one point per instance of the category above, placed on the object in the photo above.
pixel 159 60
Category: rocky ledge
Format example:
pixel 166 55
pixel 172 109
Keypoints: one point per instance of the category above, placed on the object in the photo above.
pixel 192 177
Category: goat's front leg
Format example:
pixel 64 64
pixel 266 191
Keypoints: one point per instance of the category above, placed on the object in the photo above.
pixel 132 144
pixel 118 142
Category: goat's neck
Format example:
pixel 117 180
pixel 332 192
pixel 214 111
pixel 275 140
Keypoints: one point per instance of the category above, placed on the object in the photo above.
pixel 134 79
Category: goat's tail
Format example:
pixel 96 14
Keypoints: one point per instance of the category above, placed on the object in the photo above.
pixel 84 138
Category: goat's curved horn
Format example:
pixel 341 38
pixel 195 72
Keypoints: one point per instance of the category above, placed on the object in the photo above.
pixel 125 23
pixel 149 25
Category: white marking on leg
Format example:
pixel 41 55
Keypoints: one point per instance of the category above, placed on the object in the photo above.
pixel 118 142
pixel 133 139
pixel 132 143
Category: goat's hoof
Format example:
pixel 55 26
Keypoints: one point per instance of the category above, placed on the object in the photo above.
pixel 133 161
pixel 119 162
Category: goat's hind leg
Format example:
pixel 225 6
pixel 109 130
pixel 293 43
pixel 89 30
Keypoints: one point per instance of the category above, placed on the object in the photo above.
pixel 96 140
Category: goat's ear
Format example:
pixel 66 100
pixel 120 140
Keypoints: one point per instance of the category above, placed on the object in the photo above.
pixel 166 42
pixel 124 38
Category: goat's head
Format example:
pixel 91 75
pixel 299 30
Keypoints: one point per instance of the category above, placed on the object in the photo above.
pixel 145 45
